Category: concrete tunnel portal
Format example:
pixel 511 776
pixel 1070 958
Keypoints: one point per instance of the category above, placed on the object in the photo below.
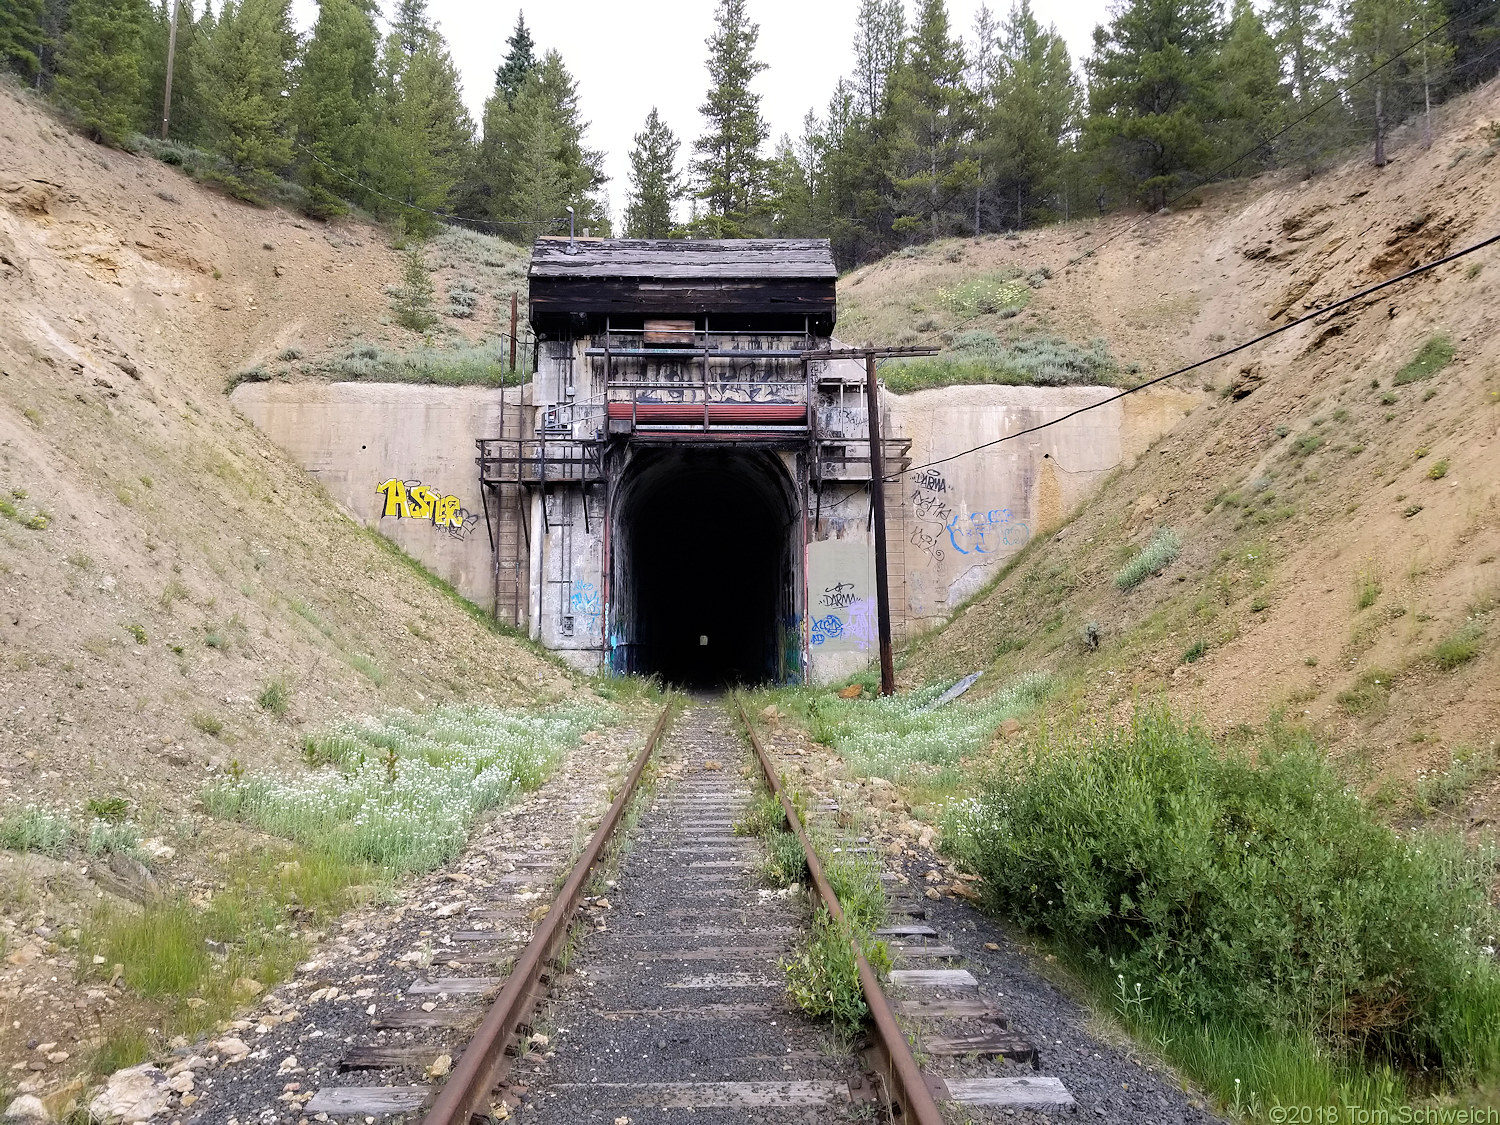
pixel 705 568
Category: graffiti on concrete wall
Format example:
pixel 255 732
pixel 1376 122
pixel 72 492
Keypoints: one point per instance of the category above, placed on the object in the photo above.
pixel 929 506
pixel 987 533
pixel 854 623
pixel 839 596
pixel 939 527
pixel 586 605
pixel 413 500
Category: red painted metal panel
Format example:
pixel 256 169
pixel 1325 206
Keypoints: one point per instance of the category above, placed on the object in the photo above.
pixel 719 413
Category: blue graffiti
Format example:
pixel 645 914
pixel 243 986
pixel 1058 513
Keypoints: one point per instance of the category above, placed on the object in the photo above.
pixel 829 628
pixel 984 531
pixel 585 604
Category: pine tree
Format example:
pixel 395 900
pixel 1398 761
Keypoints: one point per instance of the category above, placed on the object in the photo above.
pixel 422 136
pixel 1375 31
pixel 1252 96
pixel 100 66
pixel 788 203
pixel 1304 36
pixel 729 169
pixel 22 37
pixel 1036 104
pixel 1151 96
pixel 654 181
pixel 243 71
pixel 533 162
pixel 1475 37
pixel 879 40
pixel 414 299
pixel 332 104
pixel 520 59
pixel 931 107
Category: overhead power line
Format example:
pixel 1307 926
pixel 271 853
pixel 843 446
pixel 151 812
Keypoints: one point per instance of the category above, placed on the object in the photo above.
pixel 1324 311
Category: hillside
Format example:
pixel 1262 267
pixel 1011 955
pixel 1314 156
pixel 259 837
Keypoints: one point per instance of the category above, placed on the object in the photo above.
pixel 162 564
pixel 1335 493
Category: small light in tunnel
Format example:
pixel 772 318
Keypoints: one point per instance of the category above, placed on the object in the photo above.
pixel 702 639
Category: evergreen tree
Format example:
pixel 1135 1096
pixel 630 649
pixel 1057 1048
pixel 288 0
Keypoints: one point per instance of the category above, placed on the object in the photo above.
pixel 186 122
pixel 1036 104
pixel 422 135
pixel 1375 32
pixel 1475 39
pixel 985 64
pixel 520 59
pixel 533 162
pixel 654 181
pixel 1304 36
pixel 1252 95
pixel 729 168
pixel 22 37
pixel 879 40
pixel 931 108
pixel 788 204
pixel 1151 94
pixel 100 66
pixel 332 104
pixel 243 72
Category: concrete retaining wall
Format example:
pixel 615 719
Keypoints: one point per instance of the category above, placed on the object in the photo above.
pixel 357 438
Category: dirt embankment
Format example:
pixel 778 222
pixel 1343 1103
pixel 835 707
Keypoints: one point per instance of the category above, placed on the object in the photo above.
pixel 1337 508
pixel 161 562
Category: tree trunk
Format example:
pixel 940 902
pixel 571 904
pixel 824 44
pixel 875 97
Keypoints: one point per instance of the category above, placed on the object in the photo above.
pixel 1380 160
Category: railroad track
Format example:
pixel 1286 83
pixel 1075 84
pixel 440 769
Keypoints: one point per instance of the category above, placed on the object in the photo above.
pixel 674 1005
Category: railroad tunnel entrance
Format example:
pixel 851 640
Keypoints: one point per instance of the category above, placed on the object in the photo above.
pixel 705 569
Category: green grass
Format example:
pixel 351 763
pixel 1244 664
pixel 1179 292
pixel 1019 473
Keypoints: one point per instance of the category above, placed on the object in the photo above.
pixel 1195 651
pixel 260 920
pixel 998 294
pixel 898 738
pixel 208 724
pixel 403 791
pixel 1460 646
pixel 1281 934
pixel 822 976
pixel 1158 554
pixel 1370 692
pixel 1435 355
pixel 982 357
pixel 367 668
pixel 107 838
pixel 275 698
pixel 456 364
pixel 1366 589
pixel 1447 788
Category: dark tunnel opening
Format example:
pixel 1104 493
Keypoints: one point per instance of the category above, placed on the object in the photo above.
pixel 704 570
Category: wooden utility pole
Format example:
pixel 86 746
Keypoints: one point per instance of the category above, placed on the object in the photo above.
pixel 166 98
pixel 877 495
pixel 513 333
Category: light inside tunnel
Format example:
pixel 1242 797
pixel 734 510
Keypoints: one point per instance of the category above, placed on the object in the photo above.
pixel 705 569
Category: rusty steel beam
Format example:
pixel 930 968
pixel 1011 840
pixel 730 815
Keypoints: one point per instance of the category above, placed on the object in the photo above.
pixel 905 1081
pixel 483 1064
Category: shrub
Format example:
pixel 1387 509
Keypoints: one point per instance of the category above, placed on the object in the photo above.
pixel 1438 471
pixel 208 724
pixel 1441 790
pixel 1003 294
pixel 460 364
pixel 982 357
pixel 112 809
pixel 822 976
pixel 1435 355
pixel 1160 553
pixel 785 862
pixel 106 838
pixel 1195 651
pixel 1260 894
pixel 35 829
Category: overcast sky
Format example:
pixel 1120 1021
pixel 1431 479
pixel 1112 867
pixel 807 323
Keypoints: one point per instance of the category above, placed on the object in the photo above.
pixel 628 56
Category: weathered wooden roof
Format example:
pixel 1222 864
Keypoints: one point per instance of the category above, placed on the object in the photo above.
pixel 680 259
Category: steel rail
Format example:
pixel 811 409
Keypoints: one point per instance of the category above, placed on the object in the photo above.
pixel 483 1064
pixel 904 1078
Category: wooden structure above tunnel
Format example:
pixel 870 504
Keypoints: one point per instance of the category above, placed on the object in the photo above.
pixel 574 282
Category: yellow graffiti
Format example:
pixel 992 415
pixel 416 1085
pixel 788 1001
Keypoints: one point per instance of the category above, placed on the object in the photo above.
pixel 418 502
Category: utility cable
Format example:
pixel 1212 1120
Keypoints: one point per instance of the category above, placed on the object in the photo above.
pixel 1325 310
